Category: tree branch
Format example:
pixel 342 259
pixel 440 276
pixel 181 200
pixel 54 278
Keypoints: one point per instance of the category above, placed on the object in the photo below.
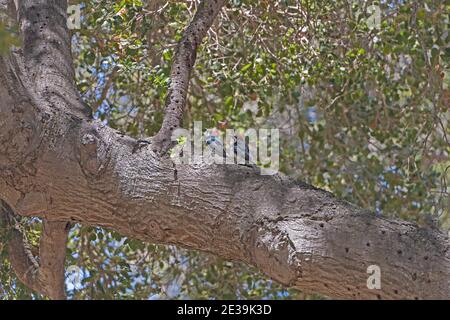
pixel 48 56
pixel 180 74
pixel 64 168
pixel 52 255
pixel 49 84
pixel 105 90
pixel 47 275
pixel 300 236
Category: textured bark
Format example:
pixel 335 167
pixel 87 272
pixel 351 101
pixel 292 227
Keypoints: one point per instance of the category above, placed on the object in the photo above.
pixel 180 74
pixel 59 164
pixel 44 273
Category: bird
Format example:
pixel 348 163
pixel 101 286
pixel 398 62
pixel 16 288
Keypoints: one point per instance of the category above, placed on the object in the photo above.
pixel 238 145
pixel 215 144
pixel 242 151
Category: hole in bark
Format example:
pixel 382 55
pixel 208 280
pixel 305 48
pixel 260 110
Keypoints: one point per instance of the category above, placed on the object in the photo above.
pixel 378 297
pixel 383 232
pixel 348 289
pixel 410 258
pixel 416 298
pixel 321 225
pixel 346 250
pixel 399 251
pixel 396 291
pixel 368 244
pixel 425 258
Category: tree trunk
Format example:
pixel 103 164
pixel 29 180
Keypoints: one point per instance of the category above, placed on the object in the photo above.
pixel 58 164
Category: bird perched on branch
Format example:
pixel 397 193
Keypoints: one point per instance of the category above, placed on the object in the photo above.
pixel 214 142
pixel 242 151
pixel 239 147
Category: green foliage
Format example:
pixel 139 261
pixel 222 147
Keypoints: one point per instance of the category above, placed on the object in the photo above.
pixel 8 37
pixel 362 108
pixel 10 286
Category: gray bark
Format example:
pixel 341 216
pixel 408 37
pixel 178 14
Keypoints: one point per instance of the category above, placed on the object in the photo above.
pixel 58 164
pixel 43 273
pixel 180 73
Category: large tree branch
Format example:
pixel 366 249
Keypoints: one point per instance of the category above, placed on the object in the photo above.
pixel 52 255
pixel 22 259
pixel 45 273
pixel 46 61
pixel 301 236
pixel 67 168
pixel 47 54
pixel 183 63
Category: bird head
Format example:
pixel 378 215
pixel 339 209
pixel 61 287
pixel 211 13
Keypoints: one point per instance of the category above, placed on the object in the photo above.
pixel 211 135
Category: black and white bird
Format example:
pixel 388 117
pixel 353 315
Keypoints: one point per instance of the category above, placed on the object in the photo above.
pixel 215 144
